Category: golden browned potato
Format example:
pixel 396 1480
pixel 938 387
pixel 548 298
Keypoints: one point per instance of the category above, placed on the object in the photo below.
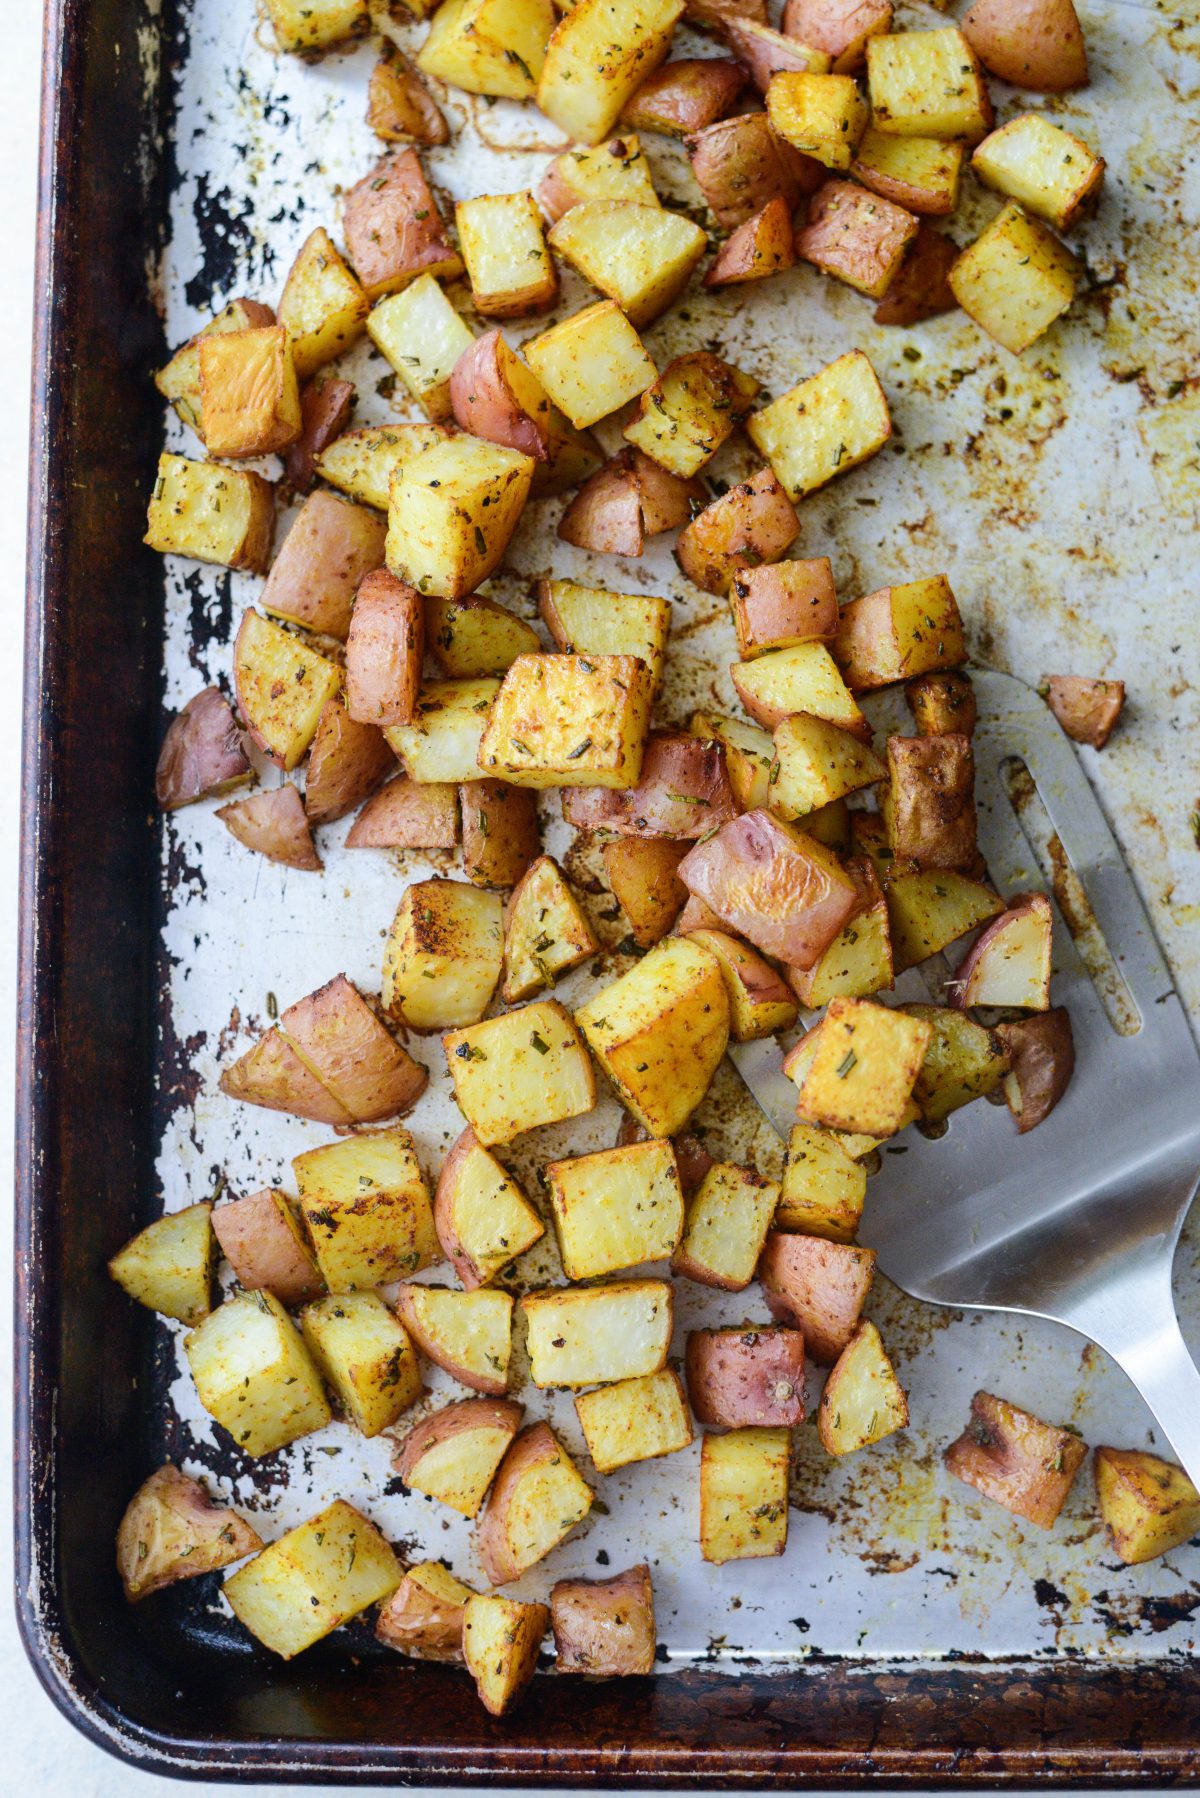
pixel 249 395
pixel 168 1266
pixel 760 1000
pixel 627 500
pixel 442 742
pixel 562 720
pixel 443 956
pixel 616 1208
pixel 782 604
pixel 921 288
pixel 750 1376
pixel 274 824
pixel 600 53
pixel 394 231
pixel 927 84
pixel 313 1579
pixel 179 380
pixel 337 1035
pixel 640 256
pixel 261 1238
pixel 499 832
pixel 515 1072
pixel 367 1208
pixel 1149 1505
pixel 509 267
pixel 254 1374
pixel 616 170
pixel 740 164
pixel 407 815
pixel 1013 1457
pixel 642 872
pixel 817 1287
pixel 545 931
pixel 400 108
pixel 754 522
pixel 858 237
pixel 762 245
pixel 467 1333
pixel 744 1494
pixel 501 1642
pixel 282 685
pixel 597 1335
pixel 919 173
pixel 817 763
pixel 605 1627
pixel 1041 1050
pixel 727 1224
pixel 898 632
pixel 865 1067
pixel 360 463
pixel 452 511
pixel 482 1217
pixel 364 1356
pixel 325 406
pixel 487 46
pixel 634 1420
pixel 683 791
pixel 928 805
pixel 536 1500
pixel 323 308
pixel 593 621
pixel 474 636
pixel 771 883
pixel 305 26
pixel 211 513
pixel 1010 963
pixel 591 362
pixel 202 752
pixel 685 95
pixel 927 910
pixel 863 1401
pixel 1087 709
pixel 347 761
pixel 942 703
pixel 329 550
pixel 1015 279
pixel 496 396
pixel 838 27
pixel 172 1530
pixel 690 411
pixel 963 1062
pixel 453 1455
pixel 424 1615
pixel 858 962
pixel 1030 43
pixel 822 116
pixel 824 426
pixel 422 336
pixel 749 753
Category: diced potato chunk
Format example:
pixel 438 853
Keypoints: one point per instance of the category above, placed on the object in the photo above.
pixel 516 1072
pixel 1013 1457
pixel 781 605
pixel 500 834
pixel 501 1642
pixel 452 512
pixel 746 1376
pixel 443 955
pixel 367 1209
pixel 424 1615
pixel 508 264
pixel 400 108
pixel 929 908
pixel 635 1420
pixel 727 1224
pixel 919 173
pixel 483 1218
pixel 360 463
pixel 211 514
pixel 773 884
pixel 1149 1505
pixel 617 170
pixel 857 237
pixel 393 229
pixel 863 1401
pixel 365 1356
pixel 863 1073
pixel 591 621
pixel 422 337
pixel 467 1333
pixel 1015 279
pixel 179 380
pixel 442 742
pixel 323 307
pixel 546 932
pixel 254 1374
pixel 963 1062
pixel 616 1208
pixel 262 1240
pixel 823 1190
pixel 695 404
pixel 817 762
pixel 330 548
pixel 454 1454
pixel 249 396
pixel 302 26
pixel 898 632
pixel 838 27
pixel 744 1494
pixel 562 720
pixel 592 361
pixel 751 523
pixel 475 636
pixel 314 1579
pixel 172 1530
pixel 760 1002
pixel 599 55
pixel 168 1266
pixel 282 688
pixel 642 872
pixel 749 754
pixel 598 1334
pixel 819 115
pixel 605 1626
pixel 536 1500
pixel 823 427
pixel 488 46
pixel 802 678
pixel 927 84
pixel 816 1286
pixel 640 256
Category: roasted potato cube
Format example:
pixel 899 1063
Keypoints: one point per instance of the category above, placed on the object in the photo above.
pixel 1030 43
pixel 824 426
pixel 746 1377
pixel 598 56
pixel 179 380
pixel 513 1073
pixel 254 1374
pixel 274 824
pixel 727 1224
pixel 767 53
pixel 918 173
pixel 591 362
pixel 931 908
pixel 483 1219
pixel 857 237
pixel 453 1455
pixel 640 256
pixel 863 1401
pixel 823 1190
pixel 642 874
pixel 927 84
pixel 1087 709
pixel 796 1064
pixel 313 1579
pixel 467 1333
pixel 202 753
pixel 452 512
pixel 282 688
pixel 393 229
pixel 683 791
pixel 692 408
pixel 771 883
pixel 762 245
pixel 424 1615
pixel 328 551
pixel 249 397
pixel 501 1642
pixel 323 307
pixel 838 27
pixel 786 603
pixel 168 1266
pixel 508 264
pixel 858 961
pixel 261 1238
pixel 605 1627
pixel 616 1208
pixel 749 753
pixel 385 647
pixel 325 406
pixel 760 1001
pixel 302 26
pixel 339 1039
pixel 921 288
pixel 802 678
pixel 659 1032
pixel 818 1287
pixel 1010 963
pixel 744 1494
pixel 488 47
pixel 367 1209
pixel 545 931
pixel 1149 1505
pixel 963 1062
pixel 820 115
pixel 400 108
pixel 172 1530
pixel 360 463
pixel 598 1334
pixel 493 394
pixel 635 1420
pixel 897 632
pixel 685 95
pixel 575 720
pixel 537 1498
pixel 613 171
pixel 475 636
pixel 1013 1457
pixel 405 815
pixel 1041 1051
pixel 754 522
pixel 817 762
pixel 1015 279
pixel 865 1068
pixel 211 514
pixel 591 621
pixel 442 742
pixel 443 955
pixel 627 500
pixel 364 1356
pixel 273 1075
pixel 928 805
pixel 499 832
pixel 423 338
pixel 741 165
pixel 942 703
pixel 347 761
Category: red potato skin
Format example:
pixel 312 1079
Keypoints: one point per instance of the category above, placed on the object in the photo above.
pixel 218 1536
pixel 325 407
pixel 414 1622
pixel 272 1075
pixel 839 27
pixel 712 15
pixel 683 791
pixel 406 814
pixel 968 988
pixel 1034 44
pixel 605 1627
pixel 484 404
pixel 921 287
pixel 1014 1458
pixel 763 886
pixel 783 603
pixel 452 1420
pixel 696 915
pixel 400 108
pixel 740 164
pixel 202 752
pixel 1087 709
pixel 818 1287
pixel 330 549
pixel 274 824
pixel 766 52
pixel 347 761
pixel 443 1212
pixel 629 499
pixel 691 1157
pixel 668 500
pixel 407 1312
pixel 754 522
pixel 533 1446
pixel 1041 1051
pixel 933 815
pixel 262 1251
pixel 392 226
pixel 942 704
pixel 361 1063
pixel 385 648
pixel 857 237
pixel 746 1378
pixel 685 95
pixel 763 246
pixel 500 835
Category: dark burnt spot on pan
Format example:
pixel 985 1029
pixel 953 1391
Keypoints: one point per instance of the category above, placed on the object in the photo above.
pixel 1130 1613
pixel 210 614
pixel 1048 1595
pixel 225 239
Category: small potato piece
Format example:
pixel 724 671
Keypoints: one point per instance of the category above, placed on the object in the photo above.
pixel 404 815
pixel 364 1356
pixel 817 1286
pixel 685 95
pixel 263 1243
pixel 501 1642
pixel 424 1615
pixel 452 512
pixel 927 84
pixel 423 338
pixel 824 426
pixel 767 53
pixel 273 1075
pixel 454 1454
pixel 179 380
pixel 600 53
pixel 823 1190
pixel 315 1578
pixel 483 1219
pixel 771 883
pixel 635 1420
pixel 754 522
pixel 516 1072
pixel 744 1494
pixel 1030 43
pixel 545 931
pixel 211 514
pixel 863 1401
pixel 760 1002
pixel 385 647
pixel 858 962
pixel 400 108
pixel 592 621
pixel 613 171
pixel 1013 1457
pixel 787 603
pixel 1015 279
pixel 282 687
pixel 802 678
pixel 1149 1505
pixel 642 874
pixel 467 1333
pixel 746 1377
pixel 347 761
pixel 202 753
pixel 727 1224
pixel 393 229
pixel 329 550
pixel 683 792
pixel 323 307
pixel 494 395
pixel 1010 963
pixel 172 1530
pixel 367 1209
pixel 838 27
pixel 499 832
pixel 929 803
pixel 817 763
pixel 858 237
pixel 640 256
pixel 928 910
pixel 796 1063
pixel 659 1032
pixel 302 26
pixel 605 1627
pixel 537 1499
pixel 442 742
pixel 749 753
pixel 695 404
pixel 761 246
pixel 741 165
pixel 591 362
pixel 325 407
pixel 508 264
pixel 168 1266
pixel 360 463
pixel 254 1374
pixel 963 1062
pixel 627 500
pixel 616 1208
pixel 942 704
pixel 898 632
pixel 1087 709
pixel 249 397
pixel 274 824
pixel 918 173
pixel 595 1334
pixel 1041 1050
pixel 443 955
pixel 822 116
pixel 475 636
pixel 488 47
pixel 562 720
pixel 338 1036
pixel 921 288
pixel 863 1073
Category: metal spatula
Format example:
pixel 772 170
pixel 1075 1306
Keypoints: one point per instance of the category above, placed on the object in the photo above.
pixel 1078 1220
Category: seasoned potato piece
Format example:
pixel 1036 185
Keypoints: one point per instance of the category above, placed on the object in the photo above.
pixel 261 1238
pixel 685 95
pixel 501 1642
pixel 796 1064
pixel 325 406
pixel 1087 709
pixel 393 229
pixel 627 500
pixel 453 1455
pixel 340 1040
pixel 642 874
pixel 367 1209
pixel 918 173
pixel 323 307
pixel 771 883
pixel 762 245
pixel 364 1356
pixel 820 115
pixel 838 27
pixel 508 264
pixel 746 1377
pixel 863 1073
pixel 282 688
pixel 787 603
pixel 817 1286
pixel 802 678
pixel 683 792
pixel 928 805
pixel 499 832
pixel 347 761
pixel 692 408
pixel 598 1334
pixel 562 720
pixel 635 1420
pixel 201 754
pixel 744 1494
pixel 545 931
pixel 863 1401
pixel 536 1500
pixel 442 742
pixel 360 463
pixel 452 512
pixel 741 165
pixel 254 1374
pixel 172 1530
pixel 513 1073
pixel 616 1208
pixel 599 55
pixel 249 397
pixel 273 824
pixel 607 1626
pixel 727 1224
pixel 483 1219
pixel 313 1579
pixel 963 1062
pixel 927 84
pixel 823 1190
pixel 423 338
pixel 424 1615
pixel 330 548
pixel 404 815
pixel 273 1075
pixel 929 909
pixel 168 1266
pixel 659 1032
pixel 760 1002
pixel 824 426
pixel 640 256
pixel 443 955
pixel 921 288
pixel 616 170
pixel 591 621
pixel 494 395
pixel 858 961
pixel 749 753
pixel 592 361
pixel 385 647
pixel 302 26
pixel 488 46
pixel 467 1333
pixel 1041 1050
pixel 179 380
pixel 400 108
pixel 1013 1457
pixel 211 514
pixel 942 703
pixel 752 523
pixel 1149 1505
pixel 768 53
pixel 1015 279
pixel 857 237
pixel 817 762
pixel 1030 43
pixel 898 632
pixel 1010 963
